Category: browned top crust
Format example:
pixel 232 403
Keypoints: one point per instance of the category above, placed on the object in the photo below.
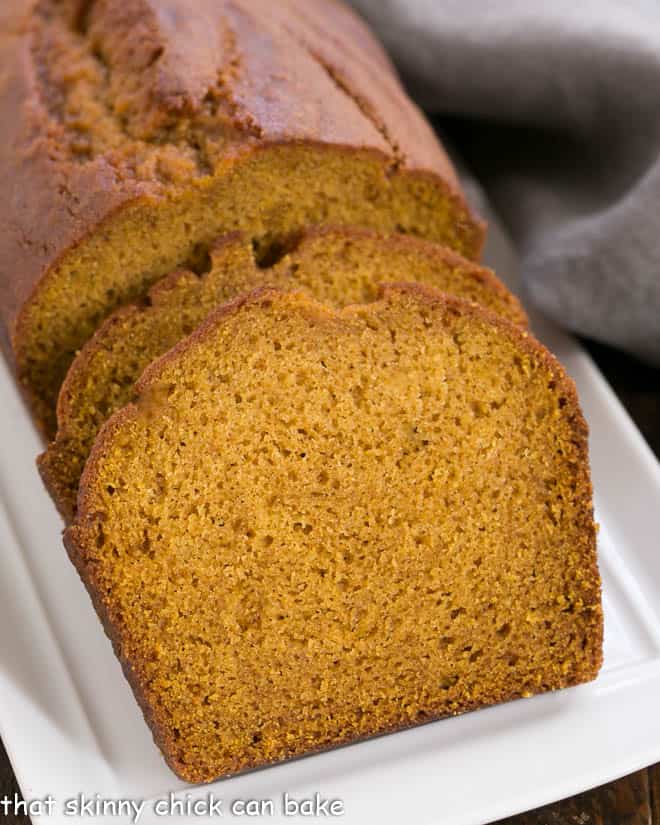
pixel 103 101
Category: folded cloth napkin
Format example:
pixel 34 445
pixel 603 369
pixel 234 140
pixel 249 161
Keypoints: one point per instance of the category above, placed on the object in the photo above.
pixel 557 108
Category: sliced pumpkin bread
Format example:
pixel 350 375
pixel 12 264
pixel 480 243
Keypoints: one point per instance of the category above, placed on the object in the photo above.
pixel 339 266
pixel 132 132
pixel 316 525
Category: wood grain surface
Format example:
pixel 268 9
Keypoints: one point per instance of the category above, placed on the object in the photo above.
pixel 8 788
pixel 654 787
pixel 625 801
pixel 632 800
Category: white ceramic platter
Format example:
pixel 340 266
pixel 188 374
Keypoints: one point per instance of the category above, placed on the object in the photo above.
pixel 71 726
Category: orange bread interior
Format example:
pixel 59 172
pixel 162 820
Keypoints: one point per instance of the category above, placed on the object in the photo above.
pixel 316 525
pixel 338 266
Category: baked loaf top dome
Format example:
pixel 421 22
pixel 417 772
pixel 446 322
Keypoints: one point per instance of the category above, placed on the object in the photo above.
pixel 337 266
pixel 316 525
pixel 131 131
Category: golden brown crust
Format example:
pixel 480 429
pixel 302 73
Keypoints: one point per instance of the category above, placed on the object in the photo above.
pixel 77 536
pixel 439 253
pixel 163 96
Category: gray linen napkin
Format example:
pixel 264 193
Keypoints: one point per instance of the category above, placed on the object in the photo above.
pixel 556 106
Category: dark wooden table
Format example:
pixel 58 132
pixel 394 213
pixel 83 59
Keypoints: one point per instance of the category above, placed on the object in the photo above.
pixel 635 799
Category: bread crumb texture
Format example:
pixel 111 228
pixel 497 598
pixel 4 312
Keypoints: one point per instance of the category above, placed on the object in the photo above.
pixel 317 525
pixel 146 131
pixel 338 266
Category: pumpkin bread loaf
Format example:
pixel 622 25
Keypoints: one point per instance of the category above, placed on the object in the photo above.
pixel 337 266
pixel 135 132
pixel 315 525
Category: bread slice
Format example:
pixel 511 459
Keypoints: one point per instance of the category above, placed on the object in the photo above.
pixel 317 525
pixel 338 266
pixel 135 132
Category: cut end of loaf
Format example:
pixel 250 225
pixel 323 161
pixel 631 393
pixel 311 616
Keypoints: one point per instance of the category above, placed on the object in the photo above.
pixel 148 133
pixel 317 525
pixel 336 265
pixel 269 194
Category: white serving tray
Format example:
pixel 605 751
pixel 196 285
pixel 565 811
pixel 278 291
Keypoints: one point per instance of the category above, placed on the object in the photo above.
pixel 70 725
